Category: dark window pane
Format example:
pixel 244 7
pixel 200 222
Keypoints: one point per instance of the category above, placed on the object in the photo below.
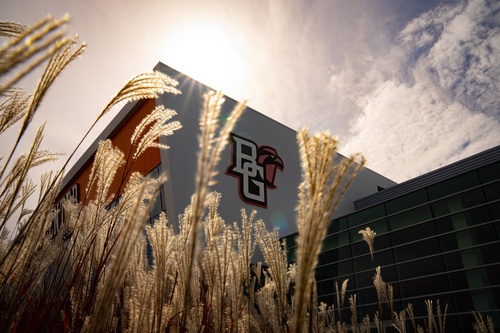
pixel 326 272
pixel 413 233
pixel 424 286
pixel 458 202
pixel 345 267
pixel 337 225
pixel 329 299
pixel 466 219
pixel 471 258
pixel 389 275
pixel 362 263
pixel 366 215
pixel 291 241
pixel 489 173
pixel 384 258
pixel 448 242
pixel 421 267
pixel 364 310
pixel 492 191
pixel 335 240
pixel 382 242
pixel 490 253
pixel 407 201
pixel 364 279
pixel 485 234
pixel 416 250
pixel 328 257
pixel 458 280
pixel 495 210
pixel 462 301
pixel 483 300
pixel 478 215
pixel 453 185
pixel 366 296
pixel 325 287
pixel 444 224
pixel 477 278
pixel 379 226
pixel 359 248
pixel 453 261
pixel 291 255
pixel 410 217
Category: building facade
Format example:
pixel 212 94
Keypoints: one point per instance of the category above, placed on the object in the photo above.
pixel 256 143
pixel 437 235
pixel 438 238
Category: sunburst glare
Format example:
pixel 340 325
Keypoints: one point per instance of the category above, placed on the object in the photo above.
pixel 207 51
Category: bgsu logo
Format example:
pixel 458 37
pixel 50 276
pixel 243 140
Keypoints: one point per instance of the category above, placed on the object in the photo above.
pixel 255 167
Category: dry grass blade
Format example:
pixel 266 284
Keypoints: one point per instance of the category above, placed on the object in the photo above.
pixel 431 321
pixel 146 85
pixel 340 295
pixel 162 243
pixel 384 291
pixel 275 256
pixel 482 326
pixel 354 313
pixel 13 108
pixel 15 180
pixel 59 60
pixel 441 317
pixel 324 184
pixel 211 147
pixel 400 321
pixel 411 314
pixel 57 63
pixel 11 29
pixel 106 163
pixel 31 48
pixel 127 236
pixel 369 238
pixel 156 124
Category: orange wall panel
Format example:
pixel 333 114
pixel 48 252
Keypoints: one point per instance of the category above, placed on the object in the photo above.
pixel 121 139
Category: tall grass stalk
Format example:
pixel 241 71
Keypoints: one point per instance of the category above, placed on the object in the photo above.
pixel 325 181
pixel 105 270
pixel 211 146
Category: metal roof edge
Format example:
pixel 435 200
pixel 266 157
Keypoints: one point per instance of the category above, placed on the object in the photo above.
pixel 478 160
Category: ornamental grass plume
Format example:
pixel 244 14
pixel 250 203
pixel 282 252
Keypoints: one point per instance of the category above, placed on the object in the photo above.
pixel 60 280
pixel 482 326
pixel 211 145
pixel 341 295
pixel 324 183
pixel 103 269
pixel 276 258
pixel 368 237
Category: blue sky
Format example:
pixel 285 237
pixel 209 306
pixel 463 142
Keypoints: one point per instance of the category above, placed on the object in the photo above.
pixel 413 85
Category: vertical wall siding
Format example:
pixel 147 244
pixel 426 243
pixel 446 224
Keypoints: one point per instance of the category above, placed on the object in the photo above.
pixel 121 139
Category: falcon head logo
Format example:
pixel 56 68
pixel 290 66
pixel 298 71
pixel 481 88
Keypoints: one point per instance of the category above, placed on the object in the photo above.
pixel 255 167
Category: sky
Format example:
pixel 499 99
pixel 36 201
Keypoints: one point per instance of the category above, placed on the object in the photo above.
pixel 413 85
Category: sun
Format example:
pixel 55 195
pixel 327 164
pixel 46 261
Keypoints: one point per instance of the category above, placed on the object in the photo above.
pixel 207 51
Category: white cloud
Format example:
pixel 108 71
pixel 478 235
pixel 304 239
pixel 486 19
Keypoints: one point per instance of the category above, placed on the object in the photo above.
pixel 407 130
pixel 434 98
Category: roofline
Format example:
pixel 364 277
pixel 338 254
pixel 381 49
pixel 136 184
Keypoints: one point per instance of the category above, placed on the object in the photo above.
pixel 467 164
pixel 172 72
